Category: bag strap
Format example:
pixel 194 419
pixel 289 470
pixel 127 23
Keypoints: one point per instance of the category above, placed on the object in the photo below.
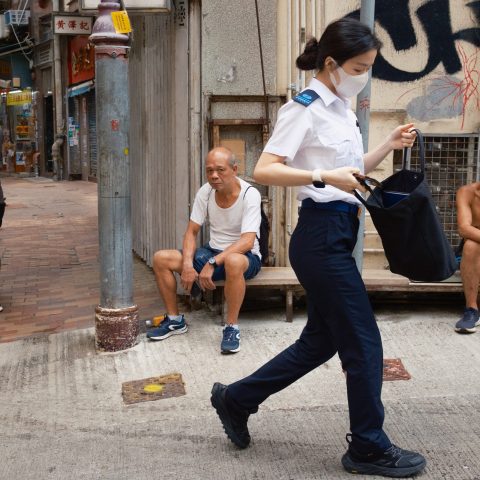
pixel 359 197
pixel 370 191
pixel 365 182
pixel 421 148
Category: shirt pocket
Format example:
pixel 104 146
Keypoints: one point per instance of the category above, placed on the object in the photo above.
pixel 337 152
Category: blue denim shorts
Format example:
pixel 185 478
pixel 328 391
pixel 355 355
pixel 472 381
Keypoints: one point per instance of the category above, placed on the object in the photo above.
pixel 202 255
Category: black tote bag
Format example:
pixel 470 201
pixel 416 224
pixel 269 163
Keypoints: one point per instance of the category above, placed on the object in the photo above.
pixel 404 214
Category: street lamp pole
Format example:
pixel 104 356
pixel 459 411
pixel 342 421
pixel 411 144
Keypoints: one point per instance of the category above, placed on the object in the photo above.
pixel 116 317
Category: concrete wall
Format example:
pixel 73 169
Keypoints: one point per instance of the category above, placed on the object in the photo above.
pixel 429 64
pixel 230 51
pixel 426 73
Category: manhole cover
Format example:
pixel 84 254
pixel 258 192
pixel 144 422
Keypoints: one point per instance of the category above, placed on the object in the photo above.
pixel 393 369
pixel 153 388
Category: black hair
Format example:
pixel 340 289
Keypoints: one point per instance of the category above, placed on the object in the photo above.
pixel 342 39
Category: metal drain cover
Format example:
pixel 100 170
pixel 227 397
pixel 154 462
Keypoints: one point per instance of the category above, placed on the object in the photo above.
pixel 393 369
pixel 153 388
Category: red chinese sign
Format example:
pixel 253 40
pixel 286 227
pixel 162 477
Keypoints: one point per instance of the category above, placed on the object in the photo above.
pixel 81 60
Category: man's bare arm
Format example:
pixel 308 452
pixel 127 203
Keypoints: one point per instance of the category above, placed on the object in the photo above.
pixel 465 197
pixel 189 275
pixel 242 245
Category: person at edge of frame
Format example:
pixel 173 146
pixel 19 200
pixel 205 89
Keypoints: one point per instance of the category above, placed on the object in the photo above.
pixel 468 221
pixel 316 145
pixel 232 206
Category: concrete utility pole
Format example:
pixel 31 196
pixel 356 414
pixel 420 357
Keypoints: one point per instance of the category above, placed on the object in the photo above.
pixel 116 318
pixel 367 16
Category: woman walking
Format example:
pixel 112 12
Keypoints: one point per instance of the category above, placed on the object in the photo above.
pixel 317 146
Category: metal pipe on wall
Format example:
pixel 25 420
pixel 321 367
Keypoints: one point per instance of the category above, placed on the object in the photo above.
pixel 367 16
pixel 288 200
pixel 302 39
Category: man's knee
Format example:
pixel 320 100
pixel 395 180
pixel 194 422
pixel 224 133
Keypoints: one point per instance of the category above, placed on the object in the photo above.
pixel 235 264
pixel 166 260
pixel 471 252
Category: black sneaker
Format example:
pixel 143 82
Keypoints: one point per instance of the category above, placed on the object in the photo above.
pixel 393 462
pixel 234 421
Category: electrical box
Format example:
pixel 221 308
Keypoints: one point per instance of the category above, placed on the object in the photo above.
pixel 4 29
pixel 17 17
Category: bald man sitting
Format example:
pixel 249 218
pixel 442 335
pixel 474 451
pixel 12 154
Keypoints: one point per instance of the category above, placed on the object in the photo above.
pixel 468 218
pixel 232 254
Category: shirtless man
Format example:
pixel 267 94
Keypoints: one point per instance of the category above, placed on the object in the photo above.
pixel 468 218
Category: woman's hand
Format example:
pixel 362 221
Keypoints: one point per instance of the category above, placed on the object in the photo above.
pixel 402 137
pixel 343 179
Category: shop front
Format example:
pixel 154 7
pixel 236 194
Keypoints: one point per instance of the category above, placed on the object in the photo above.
pixel 20 148
pixel 81 118
pixel 18 121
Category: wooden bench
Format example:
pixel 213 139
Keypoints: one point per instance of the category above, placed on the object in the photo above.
pixel 282 278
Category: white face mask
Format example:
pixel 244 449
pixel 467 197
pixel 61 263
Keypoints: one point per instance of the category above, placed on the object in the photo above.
pixel 349 85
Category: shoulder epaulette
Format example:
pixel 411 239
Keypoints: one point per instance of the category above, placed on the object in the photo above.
pixel 306 98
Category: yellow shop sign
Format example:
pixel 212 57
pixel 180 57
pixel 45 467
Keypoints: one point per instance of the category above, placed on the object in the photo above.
pixel 19 97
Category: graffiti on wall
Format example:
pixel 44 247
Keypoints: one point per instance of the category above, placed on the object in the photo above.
pixel 446 96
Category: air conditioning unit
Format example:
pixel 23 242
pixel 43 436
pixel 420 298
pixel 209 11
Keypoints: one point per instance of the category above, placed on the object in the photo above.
pixel 17 17
pixel 4 29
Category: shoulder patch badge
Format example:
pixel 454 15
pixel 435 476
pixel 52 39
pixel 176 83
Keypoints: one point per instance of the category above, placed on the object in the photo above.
pixel 306 98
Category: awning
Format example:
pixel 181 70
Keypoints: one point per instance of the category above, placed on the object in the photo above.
pixel 80 89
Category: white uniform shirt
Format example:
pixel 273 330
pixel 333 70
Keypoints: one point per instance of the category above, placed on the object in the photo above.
pixel 228 224
pixel 323 135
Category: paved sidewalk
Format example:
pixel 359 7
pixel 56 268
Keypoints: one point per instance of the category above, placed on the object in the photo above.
pixel 49 253
pixel 62 415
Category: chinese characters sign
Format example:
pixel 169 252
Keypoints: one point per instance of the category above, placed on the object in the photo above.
pixel 73 25
pixel 19 98
pixel 121 22
pixel 81 60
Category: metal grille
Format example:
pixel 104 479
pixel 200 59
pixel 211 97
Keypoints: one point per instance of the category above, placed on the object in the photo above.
pixel 451 161
pixel 92 132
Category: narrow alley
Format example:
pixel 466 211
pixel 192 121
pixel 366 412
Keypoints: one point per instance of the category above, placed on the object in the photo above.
pixel 49 254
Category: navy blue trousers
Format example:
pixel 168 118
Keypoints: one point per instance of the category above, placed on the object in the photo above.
pixel 340 319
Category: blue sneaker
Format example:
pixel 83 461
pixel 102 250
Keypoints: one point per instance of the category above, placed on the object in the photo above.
pixel 167 328
pixel 230 340
pixel 468 322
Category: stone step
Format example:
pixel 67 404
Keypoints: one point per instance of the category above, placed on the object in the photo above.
pixel 374 258
pixel 371 239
